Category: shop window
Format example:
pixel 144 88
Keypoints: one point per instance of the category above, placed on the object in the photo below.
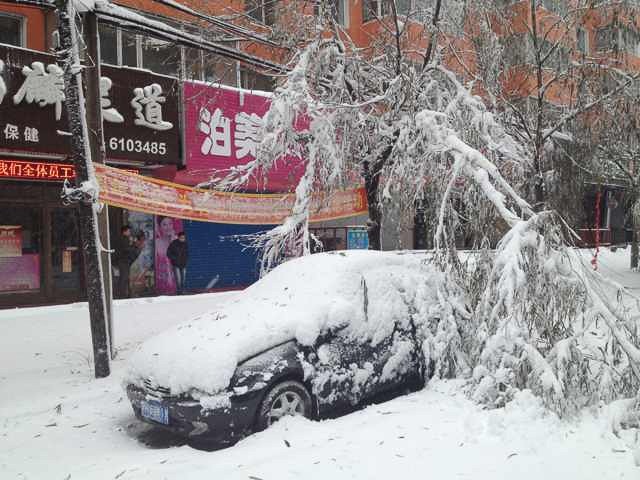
pixel 262 11
pixel 66 262
pixel 210 68
pixel 193 64
pixel 160 56
pixel 129 48
pixel 331 239
pixel 220 70
pixel 20 249
pixel 251 80
pixel 12 31
pixel 108 44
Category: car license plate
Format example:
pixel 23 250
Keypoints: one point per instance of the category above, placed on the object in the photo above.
pixel 155 411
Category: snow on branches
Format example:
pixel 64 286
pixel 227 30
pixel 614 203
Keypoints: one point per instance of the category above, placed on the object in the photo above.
pixel 540 318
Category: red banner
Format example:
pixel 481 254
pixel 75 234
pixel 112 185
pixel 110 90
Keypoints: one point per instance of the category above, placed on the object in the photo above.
pixel 135 192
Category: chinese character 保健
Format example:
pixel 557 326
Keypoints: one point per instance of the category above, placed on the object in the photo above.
pixel 3 86
pixel 11 132
pixel 109 113
pixel 218 130
pixel 147 103
pixel 31 135
pixel 45 87
pixel 248 134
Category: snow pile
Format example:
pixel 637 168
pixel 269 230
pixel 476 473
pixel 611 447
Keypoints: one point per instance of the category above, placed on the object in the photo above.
pixel 368 292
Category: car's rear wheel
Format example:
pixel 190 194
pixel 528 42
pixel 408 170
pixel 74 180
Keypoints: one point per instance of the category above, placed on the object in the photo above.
pixel 288 398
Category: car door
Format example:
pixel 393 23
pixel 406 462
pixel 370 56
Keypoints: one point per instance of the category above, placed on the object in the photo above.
pixel 344 370
pixel 395 348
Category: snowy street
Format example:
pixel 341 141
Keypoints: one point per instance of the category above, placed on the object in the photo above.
pixel 57 422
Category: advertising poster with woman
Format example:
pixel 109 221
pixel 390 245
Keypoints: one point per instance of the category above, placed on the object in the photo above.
pixel 167 230
pixel 141 276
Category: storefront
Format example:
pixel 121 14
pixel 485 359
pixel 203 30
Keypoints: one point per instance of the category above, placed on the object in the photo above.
pixel 40 250
pixel 40 256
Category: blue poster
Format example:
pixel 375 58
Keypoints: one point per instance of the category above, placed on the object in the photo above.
pixel 357 239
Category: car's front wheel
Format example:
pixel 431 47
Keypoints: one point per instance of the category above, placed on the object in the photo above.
pixel 288 398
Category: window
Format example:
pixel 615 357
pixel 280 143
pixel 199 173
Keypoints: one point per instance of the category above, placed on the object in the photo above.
pixel 210 68
pixel 256 81
pixel 129 45
pixel 122 47
pixel 12 30
pixel 20 249
pixel 403 7
pixel 262 11
pixel 160 56
pixel 618 39
pixel 339 12
pixel 372 9
pixel 559 7
pixel 583 41
pixel 108 44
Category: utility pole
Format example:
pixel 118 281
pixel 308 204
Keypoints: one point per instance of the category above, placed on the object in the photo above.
pixel 93 75
pixel 86 191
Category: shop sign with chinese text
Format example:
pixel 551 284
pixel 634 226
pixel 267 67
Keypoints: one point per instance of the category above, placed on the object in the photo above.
pixel 139 110
pixel 31 103
pixel 27 170
pixel 140 116
pixel 222 131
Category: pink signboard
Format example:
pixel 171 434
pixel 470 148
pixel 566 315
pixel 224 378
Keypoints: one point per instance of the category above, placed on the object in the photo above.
pixel 20 274
pixel 222 130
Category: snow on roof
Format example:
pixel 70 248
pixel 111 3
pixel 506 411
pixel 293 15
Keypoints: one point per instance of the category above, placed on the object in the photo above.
pixel 299 300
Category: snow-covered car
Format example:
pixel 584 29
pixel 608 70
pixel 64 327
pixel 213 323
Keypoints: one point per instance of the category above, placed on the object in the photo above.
pixel 315 335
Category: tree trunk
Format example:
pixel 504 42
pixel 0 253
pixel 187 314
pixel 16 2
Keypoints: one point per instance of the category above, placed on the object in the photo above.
pixel 79 136
pixel 374 225
pixel 372 186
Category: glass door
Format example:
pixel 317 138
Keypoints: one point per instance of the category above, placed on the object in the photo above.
pixel 66 254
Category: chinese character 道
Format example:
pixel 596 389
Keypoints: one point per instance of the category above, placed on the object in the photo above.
pixel 147 103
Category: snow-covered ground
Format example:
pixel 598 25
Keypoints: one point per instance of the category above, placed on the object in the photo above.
pixel 57 422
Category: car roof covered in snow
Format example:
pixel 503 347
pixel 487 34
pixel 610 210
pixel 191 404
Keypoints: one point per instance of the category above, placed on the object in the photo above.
pixel 300 300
